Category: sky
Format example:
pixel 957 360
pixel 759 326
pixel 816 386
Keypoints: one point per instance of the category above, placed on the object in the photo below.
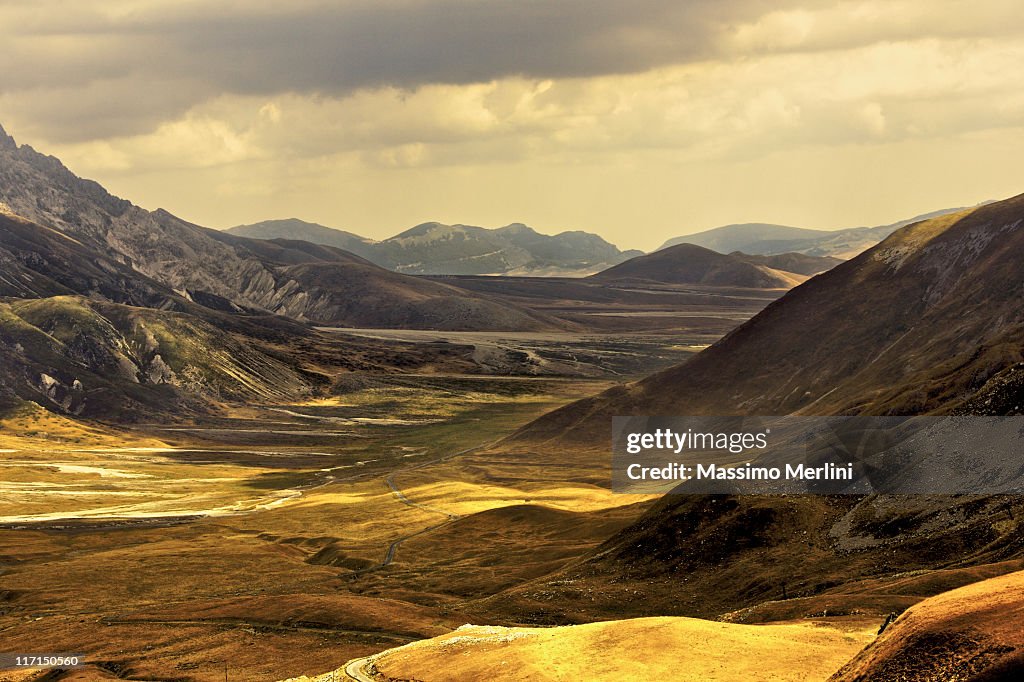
pixel 639 121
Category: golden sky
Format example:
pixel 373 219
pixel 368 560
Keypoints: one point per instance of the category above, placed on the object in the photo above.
pixel 639 121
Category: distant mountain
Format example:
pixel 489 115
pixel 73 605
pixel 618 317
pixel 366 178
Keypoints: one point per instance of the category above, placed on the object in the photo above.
pixel 438 249
pixel 293 228
pixel 691 264
pixel 572 250
pixel 768 239
pixel 744 237
pixel 319 284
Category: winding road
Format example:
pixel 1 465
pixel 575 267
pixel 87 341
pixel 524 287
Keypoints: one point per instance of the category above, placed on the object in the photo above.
pixel 356 670
pixel 389 556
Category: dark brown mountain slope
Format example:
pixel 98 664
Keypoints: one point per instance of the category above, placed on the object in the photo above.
pixel 325 284
pixel 918 323
pixel 799 263
pixel 37 261
pixel 691 264
pixel 210 265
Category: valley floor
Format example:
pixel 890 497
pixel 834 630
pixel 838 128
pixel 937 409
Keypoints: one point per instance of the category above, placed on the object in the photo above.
pixel 282 539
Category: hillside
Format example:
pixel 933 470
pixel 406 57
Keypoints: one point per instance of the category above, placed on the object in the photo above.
pixel 648 648
pixel 797 263
pixel 972 633
pixel 438 249
pixel 691 264
pixel 94 359
pixel 969 633
pixel 321 286
pixel 37 261
pixel 929 321
pixel 329 286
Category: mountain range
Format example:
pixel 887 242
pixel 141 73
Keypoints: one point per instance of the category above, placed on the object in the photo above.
pixel 307 282
pixel 439 249
pixel 518 250
pixel 769 239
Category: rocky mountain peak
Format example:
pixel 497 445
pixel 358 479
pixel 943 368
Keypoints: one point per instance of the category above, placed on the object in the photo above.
pixel 516 228
pixel 6 141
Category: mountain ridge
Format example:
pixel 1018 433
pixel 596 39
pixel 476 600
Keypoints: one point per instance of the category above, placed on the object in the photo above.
pixel 435 248
pixel 304 231
pixel 211 265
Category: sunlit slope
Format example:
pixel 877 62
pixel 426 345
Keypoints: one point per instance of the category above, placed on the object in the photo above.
pixel 969 634
pixel 54 468
pixel 682 649
pixel 27 427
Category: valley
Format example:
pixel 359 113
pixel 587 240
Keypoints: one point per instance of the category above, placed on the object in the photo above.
pixel 236 458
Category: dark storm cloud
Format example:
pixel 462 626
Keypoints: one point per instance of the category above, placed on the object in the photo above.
pixel 152 64
pixel 409 43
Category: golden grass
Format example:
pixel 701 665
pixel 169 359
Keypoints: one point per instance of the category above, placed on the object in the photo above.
pixel 681 649
pixel 31 428
pixel 248 568
pixel 53 467
pixel 470 497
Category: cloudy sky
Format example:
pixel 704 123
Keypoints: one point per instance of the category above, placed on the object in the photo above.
pixel 639 120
